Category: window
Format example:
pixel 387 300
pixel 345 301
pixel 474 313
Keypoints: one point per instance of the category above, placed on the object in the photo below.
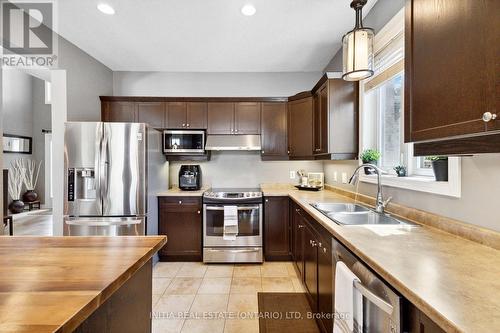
pixel 382 119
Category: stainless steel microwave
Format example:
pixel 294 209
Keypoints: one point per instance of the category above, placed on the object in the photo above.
pixel 183 142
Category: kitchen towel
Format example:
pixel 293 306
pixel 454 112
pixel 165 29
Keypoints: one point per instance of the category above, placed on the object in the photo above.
pixel 230 223
pixel 348 301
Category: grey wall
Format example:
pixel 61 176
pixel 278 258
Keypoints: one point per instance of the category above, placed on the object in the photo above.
pixel 17 110
pixel 245 169
pixel 378 16
pixel 212 84
pixel 87 79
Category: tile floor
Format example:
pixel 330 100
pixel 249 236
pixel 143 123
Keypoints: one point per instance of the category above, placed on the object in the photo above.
pixel 194 297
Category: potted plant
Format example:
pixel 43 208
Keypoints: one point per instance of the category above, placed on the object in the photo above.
pixel 31 173
pixel 400 170
pixel 15 184
pixel 370 156
pixel 440 167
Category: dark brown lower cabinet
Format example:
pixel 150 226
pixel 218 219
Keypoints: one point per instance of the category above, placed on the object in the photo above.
pixel 297 238
pixel 311 266
pixel 181 221
pixel 417 322
pixel 277 239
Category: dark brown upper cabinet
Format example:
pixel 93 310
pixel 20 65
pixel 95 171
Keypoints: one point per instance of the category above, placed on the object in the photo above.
pixel 220 118
pixel 247 118
pixel 320 120
pixel 187 115
pixel 176 115
pixel 234 118
pixel 451 75
pixel 152 113
pixel 119 111
pixel 274 131
pixel 300 128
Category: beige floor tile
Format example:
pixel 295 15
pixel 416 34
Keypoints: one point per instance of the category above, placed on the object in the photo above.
pixel 246 271
pixel 215 286
pixel 247 285
pixel 203 326
pixel 290 266
pixel 297 285
pixel 242 326
pixel 183 286
pixel 167 325
pixel 274 269
pixel 192 269
pixel 174 303
pixel 209 303
pixel 277 284
pixel 160 285
pixel 219 271
pixel 166 269
pixel 243 303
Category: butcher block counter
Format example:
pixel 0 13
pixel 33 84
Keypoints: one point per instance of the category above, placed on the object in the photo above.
pixel 82 284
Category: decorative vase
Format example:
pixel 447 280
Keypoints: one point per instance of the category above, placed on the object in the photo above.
pixel 30 196
pixel 16 206
pixel 368 170
pixel 440 168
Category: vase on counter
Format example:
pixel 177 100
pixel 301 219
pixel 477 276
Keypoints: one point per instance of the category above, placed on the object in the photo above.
pixel 30 196
pixel 16 206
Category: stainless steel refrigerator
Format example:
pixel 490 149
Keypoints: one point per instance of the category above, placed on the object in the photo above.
pixel 107 170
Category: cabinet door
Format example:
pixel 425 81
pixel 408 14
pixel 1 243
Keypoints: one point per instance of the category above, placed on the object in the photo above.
pixel 325 281
pixel 320 121
pixel 176 115
pixel 298 240
pixel 152 113
pixel 122 112
pixel 197 115
pixel 311 266
pixel 274 131
pixel 300 128
pixel 448 95
pixel 276 228
pixel 417 322
pixel 220 118
pixel 247 118
pixel 181 221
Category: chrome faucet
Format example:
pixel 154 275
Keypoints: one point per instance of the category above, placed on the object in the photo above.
pixel 380 204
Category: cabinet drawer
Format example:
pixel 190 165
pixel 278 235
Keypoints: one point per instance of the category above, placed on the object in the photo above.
pixel 180 203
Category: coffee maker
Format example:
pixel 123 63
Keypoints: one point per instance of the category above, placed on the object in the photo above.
pixel 190 177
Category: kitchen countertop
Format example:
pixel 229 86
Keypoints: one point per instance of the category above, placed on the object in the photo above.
pixel 52 284
pixel 454 281
pixel 177 192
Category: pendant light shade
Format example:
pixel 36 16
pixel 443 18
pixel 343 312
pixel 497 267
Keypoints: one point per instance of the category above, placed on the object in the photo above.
pixel 357 48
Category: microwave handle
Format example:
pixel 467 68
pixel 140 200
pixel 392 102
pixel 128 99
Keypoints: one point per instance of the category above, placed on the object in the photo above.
pixel 239 208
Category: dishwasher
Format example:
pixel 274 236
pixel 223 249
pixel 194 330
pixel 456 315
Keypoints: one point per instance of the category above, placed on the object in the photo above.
pixel 381 305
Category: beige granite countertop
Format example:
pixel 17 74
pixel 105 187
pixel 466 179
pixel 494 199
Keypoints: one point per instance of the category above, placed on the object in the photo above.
pixel 454 281
pixel 177 192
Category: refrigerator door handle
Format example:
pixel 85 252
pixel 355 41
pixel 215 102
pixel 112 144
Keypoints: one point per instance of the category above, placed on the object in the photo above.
pixel 104 165
pixel 97 167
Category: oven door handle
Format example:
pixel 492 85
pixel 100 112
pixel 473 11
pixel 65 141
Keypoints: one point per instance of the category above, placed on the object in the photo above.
pixel 233 251
pixel 239 208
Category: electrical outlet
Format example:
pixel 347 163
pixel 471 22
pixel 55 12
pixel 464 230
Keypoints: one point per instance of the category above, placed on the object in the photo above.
pixel 335 176
pixel 292 174
pixel 344 177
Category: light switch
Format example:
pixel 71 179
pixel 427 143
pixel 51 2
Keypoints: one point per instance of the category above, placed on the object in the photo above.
pixel 335 176
pixel 344 177
pixel 292 174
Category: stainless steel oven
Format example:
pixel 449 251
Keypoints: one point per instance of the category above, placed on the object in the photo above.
pixel 247 245
pixel 183 141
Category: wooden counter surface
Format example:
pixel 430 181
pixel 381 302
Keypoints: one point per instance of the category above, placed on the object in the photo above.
pixel 52 284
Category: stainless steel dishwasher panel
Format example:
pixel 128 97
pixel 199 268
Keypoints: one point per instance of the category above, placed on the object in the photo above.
pixel 381 305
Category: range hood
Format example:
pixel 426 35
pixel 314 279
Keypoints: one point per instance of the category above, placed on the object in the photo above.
pixel 233 142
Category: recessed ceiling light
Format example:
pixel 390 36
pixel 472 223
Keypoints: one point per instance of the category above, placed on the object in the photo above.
pixel 248 10
pixel 106 9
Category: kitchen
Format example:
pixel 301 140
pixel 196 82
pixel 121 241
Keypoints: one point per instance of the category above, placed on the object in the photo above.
pixel 343 184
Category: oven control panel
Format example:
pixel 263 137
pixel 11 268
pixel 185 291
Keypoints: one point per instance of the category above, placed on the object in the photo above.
pixel 232 195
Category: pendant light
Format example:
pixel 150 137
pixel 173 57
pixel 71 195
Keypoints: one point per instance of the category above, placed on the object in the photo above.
pixel 357 48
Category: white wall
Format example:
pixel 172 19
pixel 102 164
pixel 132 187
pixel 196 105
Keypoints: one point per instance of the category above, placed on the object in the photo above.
pixel 212 84
pixel 245 169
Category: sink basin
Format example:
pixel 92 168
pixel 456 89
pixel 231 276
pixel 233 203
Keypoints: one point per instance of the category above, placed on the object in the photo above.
pixel 353 214
pixel 326 208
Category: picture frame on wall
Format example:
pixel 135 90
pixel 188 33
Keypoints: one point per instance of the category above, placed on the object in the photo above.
pixel 17 144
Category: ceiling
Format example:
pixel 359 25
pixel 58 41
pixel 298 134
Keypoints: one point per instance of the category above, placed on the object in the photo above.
pixel 208 35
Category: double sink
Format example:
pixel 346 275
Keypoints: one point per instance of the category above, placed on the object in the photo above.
pixel 353 214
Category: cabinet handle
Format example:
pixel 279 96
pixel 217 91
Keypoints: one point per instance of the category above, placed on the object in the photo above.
pixel 313 243
pixel 488 116
pixel 263 152
pixel 199 212
pixel 324 250
pixel 183 125
pixel 301 226
pixel 180 202
pixel 297 210
pixel 187 125
pixel 236 131
pixel 317 149
pixel 267 200
pixel 320 245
